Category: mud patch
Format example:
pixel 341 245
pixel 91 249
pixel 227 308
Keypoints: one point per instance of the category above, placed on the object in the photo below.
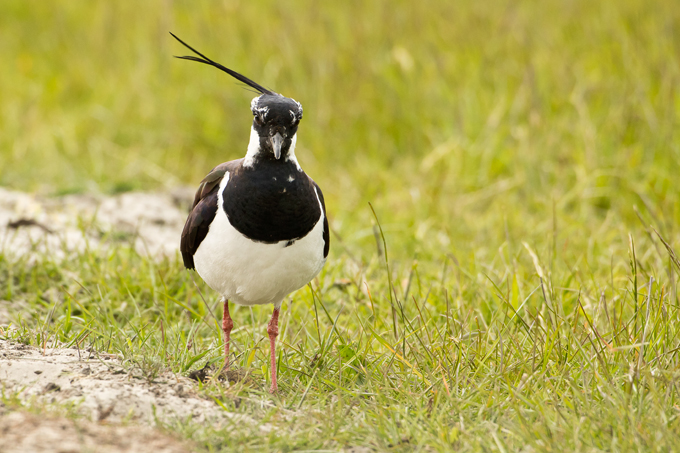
pixel 102 390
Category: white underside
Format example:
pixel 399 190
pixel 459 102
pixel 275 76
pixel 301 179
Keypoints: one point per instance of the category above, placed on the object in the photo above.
pixel 253 273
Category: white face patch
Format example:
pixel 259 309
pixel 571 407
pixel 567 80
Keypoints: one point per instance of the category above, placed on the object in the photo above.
pixel 299 107
pixel 253 148
pixel 291 153
pixel 253 103
pixel 259 111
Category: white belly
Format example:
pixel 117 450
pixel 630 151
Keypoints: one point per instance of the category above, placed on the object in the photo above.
pixel 252 273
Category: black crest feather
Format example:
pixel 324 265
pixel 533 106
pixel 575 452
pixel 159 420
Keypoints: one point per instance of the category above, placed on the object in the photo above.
pixel 208 61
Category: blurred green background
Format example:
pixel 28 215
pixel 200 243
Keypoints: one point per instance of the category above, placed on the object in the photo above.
pixel 462 122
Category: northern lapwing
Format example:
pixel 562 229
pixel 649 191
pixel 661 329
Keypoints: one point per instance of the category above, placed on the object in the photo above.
pixel 258 229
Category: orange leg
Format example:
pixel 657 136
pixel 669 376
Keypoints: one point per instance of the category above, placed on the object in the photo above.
pixel 227 325
pixel 273 331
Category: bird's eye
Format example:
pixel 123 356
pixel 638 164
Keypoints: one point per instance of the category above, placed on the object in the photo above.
pixel 258 120
pixel 295 119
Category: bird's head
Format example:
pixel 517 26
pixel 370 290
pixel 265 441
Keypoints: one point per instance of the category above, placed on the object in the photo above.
pixel 276 117
pixel 275 120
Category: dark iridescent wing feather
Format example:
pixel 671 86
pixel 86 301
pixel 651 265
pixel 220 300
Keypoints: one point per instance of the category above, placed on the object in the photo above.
pixel 326 231
pixel 203 211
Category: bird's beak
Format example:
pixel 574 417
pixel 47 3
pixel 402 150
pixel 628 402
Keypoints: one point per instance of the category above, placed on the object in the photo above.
pixel 276 142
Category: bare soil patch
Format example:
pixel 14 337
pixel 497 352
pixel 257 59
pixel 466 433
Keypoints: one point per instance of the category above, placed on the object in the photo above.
pixel 23 432
pixel 102 389
pixel 151 222
pixel 119 409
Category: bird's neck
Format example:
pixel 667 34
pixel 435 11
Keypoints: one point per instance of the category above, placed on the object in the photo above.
pixel 257 154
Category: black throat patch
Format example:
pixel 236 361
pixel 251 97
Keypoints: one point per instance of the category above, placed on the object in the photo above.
pixel 271 202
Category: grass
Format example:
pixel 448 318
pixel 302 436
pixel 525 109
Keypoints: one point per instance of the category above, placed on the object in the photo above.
pixel 521 159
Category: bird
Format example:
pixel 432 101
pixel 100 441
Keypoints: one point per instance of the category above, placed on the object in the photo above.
pixel 258 229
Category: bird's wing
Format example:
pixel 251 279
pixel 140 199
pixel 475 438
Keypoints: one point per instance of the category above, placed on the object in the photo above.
pixel 203 211
pixel 326 235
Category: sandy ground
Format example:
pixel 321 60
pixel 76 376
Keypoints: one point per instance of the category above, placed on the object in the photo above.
pixel 22 432
pixel 152 222
pixel 101 387
pixel 106 395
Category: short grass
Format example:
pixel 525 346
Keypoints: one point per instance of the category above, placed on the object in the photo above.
pixel 521 160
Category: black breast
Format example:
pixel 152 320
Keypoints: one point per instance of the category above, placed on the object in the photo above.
pixel 275 202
